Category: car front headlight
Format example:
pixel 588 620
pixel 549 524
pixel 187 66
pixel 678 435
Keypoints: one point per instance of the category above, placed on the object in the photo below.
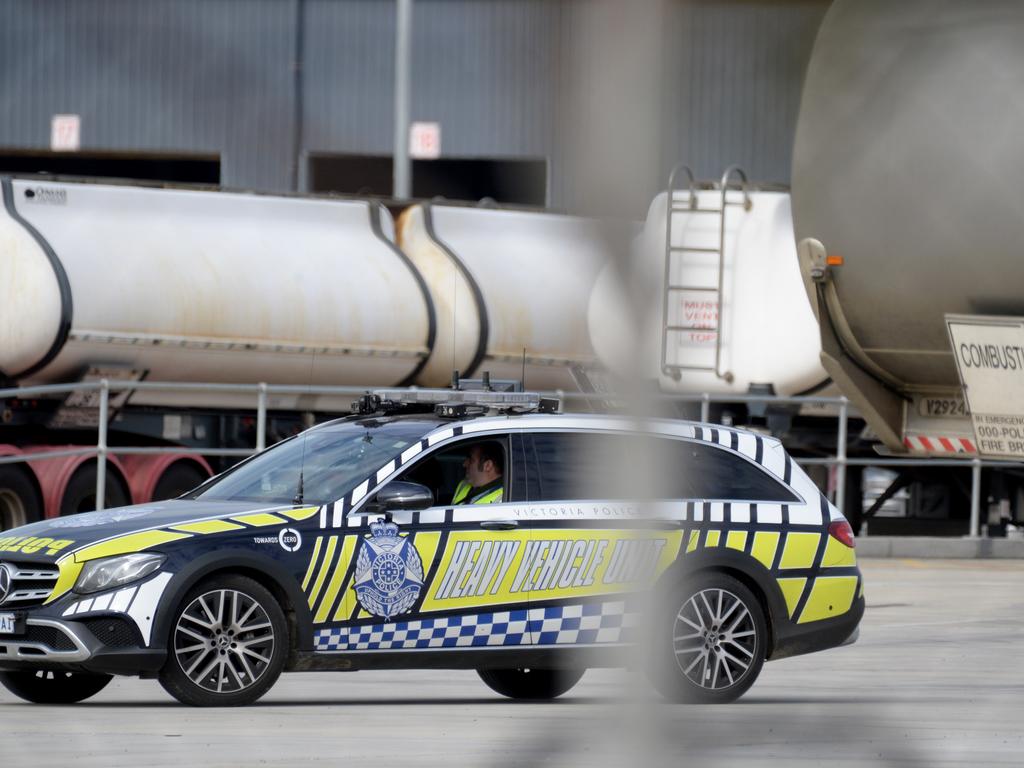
pixel 110 572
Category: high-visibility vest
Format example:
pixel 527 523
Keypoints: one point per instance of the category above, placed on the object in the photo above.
pixel 486 497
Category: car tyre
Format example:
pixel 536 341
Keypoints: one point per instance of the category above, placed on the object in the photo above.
pixel 710 645
pixel 80 494
pixel 530 683
pixel 228 643
pixel 53 687
pixel 178 479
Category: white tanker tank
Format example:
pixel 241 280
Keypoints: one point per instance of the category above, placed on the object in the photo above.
pixel 190 285
pixel 724 310
pixel 510 289
pixel 200 286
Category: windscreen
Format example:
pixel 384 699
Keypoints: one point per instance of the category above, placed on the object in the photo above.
pixel 330 461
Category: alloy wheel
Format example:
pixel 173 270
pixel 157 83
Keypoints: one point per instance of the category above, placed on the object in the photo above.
pixel 714 639
pixel 224 641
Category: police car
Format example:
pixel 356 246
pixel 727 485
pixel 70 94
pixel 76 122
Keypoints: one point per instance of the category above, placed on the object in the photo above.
pixel 442 529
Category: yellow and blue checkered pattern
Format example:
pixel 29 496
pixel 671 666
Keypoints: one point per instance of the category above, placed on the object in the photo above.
pixel 580 624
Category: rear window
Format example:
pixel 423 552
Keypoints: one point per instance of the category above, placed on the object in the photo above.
pixel 595 466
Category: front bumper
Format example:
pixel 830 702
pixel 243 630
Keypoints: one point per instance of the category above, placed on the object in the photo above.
pixel 69 645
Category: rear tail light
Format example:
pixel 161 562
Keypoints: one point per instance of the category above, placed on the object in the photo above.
pixel 841 531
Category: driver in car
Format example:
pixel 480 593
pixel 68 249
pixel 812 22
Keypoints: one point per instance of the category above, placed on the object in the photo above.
pixel 483 481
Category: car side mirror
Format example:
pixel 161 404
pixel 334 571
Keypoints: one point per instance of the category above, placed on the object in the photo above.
pixel 403 495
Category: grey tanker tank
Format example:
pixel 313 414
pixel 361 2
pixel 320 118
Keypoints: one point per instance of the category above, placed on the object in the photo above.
pixel 907 166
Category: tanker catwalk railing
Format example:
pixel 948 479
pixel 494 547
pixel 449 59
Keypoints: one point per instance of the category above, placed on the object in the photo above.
pixel 262 391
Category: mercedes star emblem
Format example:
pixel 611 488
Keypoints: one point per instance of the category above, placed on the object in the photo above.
pixel 5 581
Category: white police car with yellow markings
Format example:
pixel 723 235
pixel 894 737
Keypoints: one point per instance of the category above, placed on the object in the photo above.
pixel 358 545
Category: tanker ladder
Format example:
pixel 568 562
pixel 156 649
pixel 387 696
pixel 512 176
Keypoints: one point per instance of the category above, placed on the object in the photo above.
pixel 671 365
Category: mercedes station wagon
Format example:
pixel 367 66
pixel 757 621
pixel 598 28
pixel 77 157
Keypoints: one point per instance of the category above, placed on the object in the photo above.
pixel 443 529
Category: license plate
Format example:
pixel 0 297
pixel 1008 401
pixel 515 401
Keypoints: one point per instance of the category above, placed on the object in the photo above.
pixel 8 624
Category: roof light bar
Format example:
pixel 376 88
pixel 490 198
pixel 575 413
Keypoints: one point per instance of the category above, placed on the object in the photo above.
pixel 529 400
pixel 453 403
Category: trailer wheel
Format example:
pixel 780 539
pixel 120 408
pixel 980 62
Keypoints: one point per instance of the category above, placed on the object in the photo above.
pixel 177 479
pixel 80 495
pixel 20 503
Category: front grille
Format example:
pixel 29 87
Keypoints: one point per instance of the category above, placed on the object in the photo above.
pixel 51 637
pixel 31 584
pixel 114 633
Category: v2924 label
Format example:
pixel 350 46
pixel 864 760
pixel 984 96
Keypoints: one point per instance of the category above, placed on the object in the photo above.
pixel 942 406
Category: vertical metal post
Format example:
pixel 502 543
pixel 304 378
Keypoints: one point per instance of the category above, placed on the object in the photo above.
pixel 297 96
pixel 705 407
pixel 261 418
pixel 975 498
pixel 101 445
pixel 841 457
pixel 402 170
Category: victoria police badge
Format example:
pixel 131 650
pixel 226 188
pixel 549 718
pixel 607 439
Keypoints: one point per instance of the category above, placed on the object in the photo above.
pixel 389 572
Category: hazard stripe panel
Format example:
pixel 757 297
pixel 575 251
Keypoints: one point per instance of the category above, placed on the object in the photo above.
pixel 939 444
pixel 334 586
pixel 792 589
pixel 313 561
pixel 321 577
pixel 123 545
pixel 208 526
pixel 830 596
pixel 260 519
pixel 765 544
pixel 736 540
pixel 800 550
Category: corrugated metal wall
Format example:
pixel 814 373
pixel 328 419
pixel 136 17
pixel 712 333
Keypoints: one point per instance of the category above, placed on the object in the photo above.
pixel 183 75
pixel 480 67
pixel 217 76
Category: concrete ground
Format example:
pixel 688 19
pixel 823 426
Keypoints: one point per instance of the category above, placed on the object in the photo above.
pixel 937 678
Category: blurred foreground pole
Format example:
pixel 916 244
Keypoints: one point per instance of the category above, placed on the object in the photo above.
pixel 402 179
pixel 612 131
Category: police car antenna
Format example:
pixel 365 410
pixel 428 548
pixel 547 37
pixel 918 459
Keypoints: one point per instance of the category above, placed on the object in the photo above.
pixel 300 491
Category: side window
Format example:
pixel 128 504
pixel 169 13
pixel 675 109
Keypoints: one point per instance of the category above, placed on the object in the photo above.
pixel 575 466
pixel 581 466
pixel 483 464
pixel 706 472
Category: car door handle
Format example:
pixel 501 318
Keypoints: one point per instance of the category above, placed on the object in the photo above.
pixel 499 525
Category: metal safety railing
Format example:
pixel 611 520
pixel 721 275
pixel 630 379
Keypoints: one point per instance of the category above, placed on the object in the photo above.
pixel 262 391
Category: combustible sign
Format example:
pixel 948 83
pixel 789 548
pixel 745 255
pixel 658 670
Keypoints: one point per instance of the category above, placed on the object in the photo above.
pixel 989 354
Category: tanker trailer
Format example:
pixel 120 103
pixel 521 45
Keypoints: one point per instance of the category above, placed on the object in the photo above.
pixel 906 170
pixel 194 286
